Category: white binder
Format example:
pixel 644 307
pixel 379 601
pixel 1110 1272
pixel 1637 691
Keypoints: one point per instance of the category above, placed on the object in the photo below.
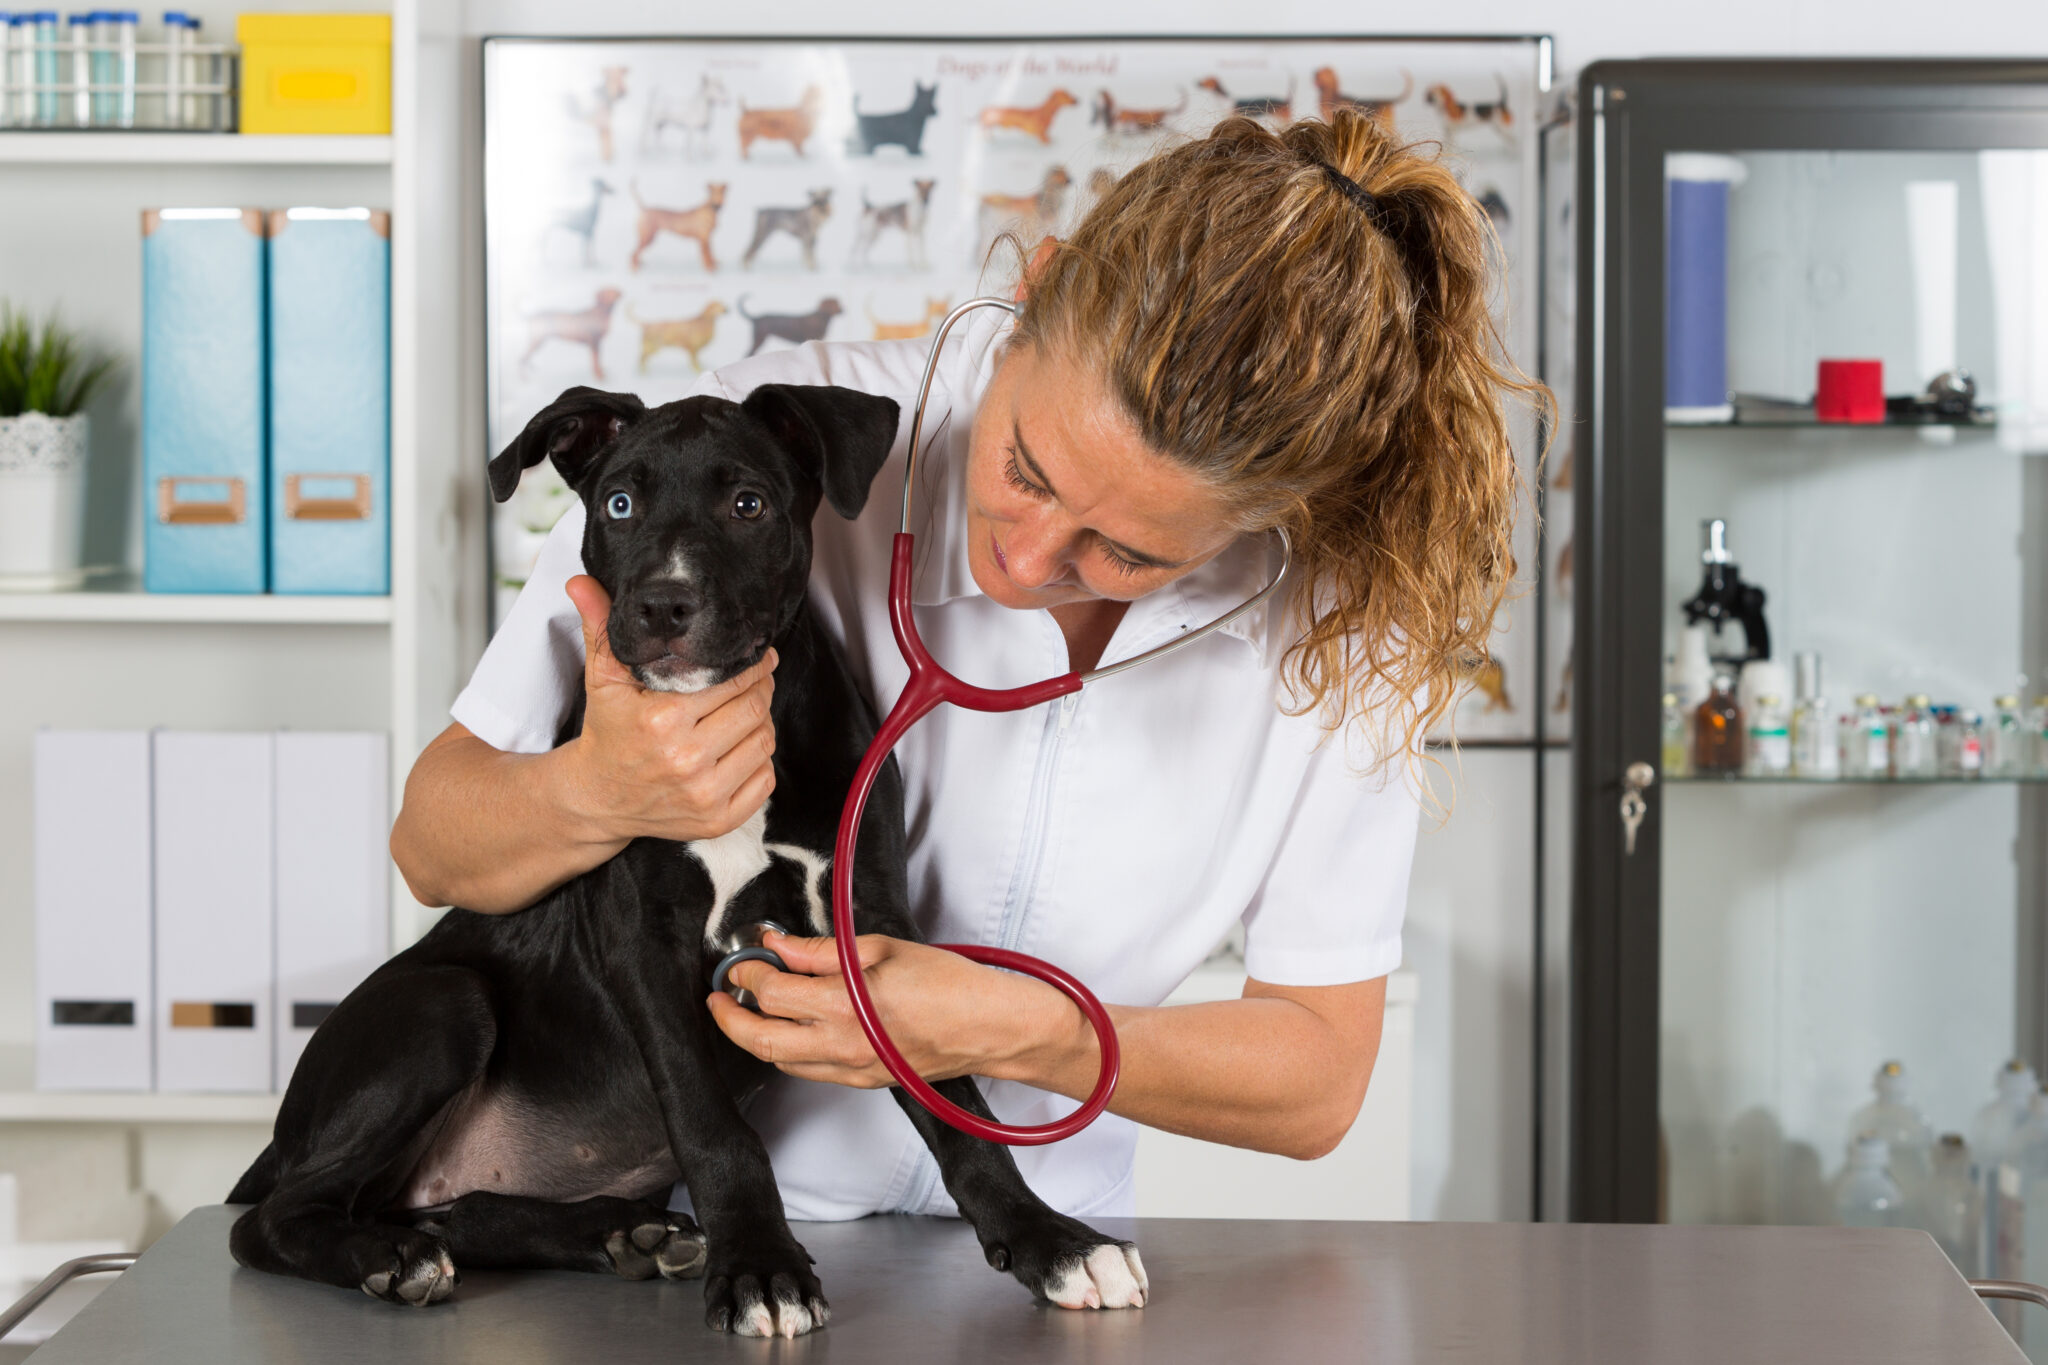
pixel 213 911
pixel 92 899
pixel 333 879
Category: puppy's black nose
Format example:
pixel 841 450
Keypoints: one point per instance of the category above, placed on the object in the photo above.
pixel 666 609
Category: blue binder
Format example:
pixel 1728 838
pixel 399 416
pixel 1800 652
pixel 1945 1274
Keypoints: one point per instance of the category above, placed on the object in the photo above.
pixel 202 400
pixel 330 400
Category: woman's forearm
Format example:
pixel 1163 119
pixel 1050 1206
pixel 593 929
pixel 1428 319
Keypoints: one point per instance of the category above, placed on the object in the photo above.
pixel 1267 1072
pixel 492 831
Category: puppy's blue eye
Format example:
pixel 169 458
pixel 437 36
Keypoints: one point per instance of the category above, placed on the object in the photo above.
pixel 619 505
pixel 748 506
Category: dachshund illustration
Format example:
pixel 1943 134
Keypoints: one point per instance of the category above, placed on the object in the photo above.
pixel 582 219
pixel 688 335
pixel 1490 678
pixel 935 311
pixel 793 126
pixel 1280 110
pixel 611 88
pixel 801 223
pixel 1116 118
pixel 1495 206
pixel 1033 215
pixel 695 223
pixel 1564 568
pixel 795 328
pixel 1330 99
pixel 583 327
pixel 1034 121
pixel 907 216
pixel 1563 477
pixel 1101 181
pixel 1457 113
pixel 904 128
pixel 688 113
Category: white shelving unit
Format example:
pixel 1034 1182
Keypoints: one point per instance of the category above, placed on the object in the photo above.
pixel 113 656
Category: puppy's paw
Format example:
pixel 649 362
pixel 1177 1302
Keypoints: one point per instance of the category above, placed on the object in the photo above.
pixel 1068 1263
pixel 672 1249
pixel 753 1296
pixel 418 1272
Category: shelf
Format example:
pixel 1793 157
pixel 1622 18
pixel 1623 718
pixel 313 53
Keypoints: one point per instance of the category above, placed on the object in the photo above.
pixel 1770 414
pixel 118 599
pixel 198 149
pixel 1734 780
pixel 19 1103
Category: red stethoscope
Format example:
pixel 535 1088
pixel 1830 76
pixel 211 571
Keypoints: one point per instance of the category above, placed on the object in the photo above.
pixel 929 685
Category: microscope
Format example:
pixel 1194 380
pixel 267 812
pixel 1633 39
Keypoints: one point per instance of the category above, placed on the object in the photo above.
pixel 1723 597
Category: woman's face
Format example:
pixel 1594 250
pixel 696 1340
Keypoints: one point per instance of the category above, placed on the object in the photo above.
pixel 1066 502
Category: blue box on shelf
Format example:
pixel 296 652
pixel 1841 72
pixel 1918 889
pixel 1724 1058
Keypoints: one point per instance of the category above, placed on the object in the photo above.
pixel 330 400
pixel 203 401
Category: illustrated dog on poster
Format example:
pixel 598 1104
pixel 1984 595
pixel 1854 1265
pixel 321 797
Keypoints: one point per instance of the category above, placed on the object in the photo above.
pixel 1329 98
pixel 596 111
pixel 1101 181
pixel 688 335
pixel 1458 114
pixel 1032 121
pixel 1278 109
pixel 1120 118
pixel 695 224
pixel 580 327
pixel 935 311
pixel 801 223
pixel 792 125
pixel 904 128
pixel 907 216
pixel 688 112
pixel 794 328
pixel 1031 216
pixel 582 219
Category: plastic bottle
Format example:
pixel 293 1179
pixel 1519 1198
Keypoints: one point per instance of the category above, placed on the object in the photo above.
pixel 1991 1138
pixel 1866 741
pixel 1914 752
pixel 2007 749
pixel 1815 753
pixel 1893 1117
pixel 1770 742
pixel 1676 749
pixel 2021 1208
pixel 1693 672
pixel 1955 1205
pixel 1866 1196
pixel 1717 736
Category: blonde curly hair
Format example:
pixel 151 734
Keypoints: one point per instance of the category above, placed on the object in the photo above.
pixel 1328 361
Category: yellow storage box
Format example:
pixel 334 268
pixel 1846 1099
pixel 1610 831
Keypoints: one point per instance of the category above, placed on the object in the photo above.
pixel 315 73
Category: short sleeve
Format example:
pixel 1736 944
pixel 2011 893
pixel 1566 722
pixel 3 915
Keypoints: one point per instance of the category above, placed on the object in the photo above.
pixel 1329 910
pixel 526 682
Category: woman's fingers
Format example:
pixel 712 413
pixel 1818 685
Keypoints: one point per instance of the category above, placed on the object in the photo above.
pixel 820 956
pixel 594 607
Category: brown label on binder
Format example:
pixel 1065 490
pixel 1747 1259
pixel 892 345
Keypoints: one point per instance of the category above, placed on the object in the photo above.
pixel 212 1014
pixel 309 497
pixel 177 505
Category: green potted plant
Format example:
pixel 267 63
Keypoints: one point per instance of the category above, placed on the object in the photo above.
pixel 46 377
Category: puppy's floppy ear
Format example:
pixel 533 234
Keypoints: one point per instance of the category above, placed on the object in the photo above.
pixel 840 436
pixel 570 430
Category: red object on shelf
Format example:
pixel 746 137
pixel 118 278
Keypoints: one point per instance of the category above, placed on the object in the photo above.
pixel 1849 391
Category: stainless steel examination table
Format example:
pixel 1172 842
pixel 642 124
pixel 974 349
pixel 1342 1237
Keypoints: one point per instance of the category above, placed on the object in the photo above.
pixel 907 1290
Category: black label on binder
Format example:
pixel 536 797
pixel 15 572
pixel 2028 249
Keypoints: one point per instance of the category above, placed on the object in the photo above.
pixel 117 1012
pixel 310 1013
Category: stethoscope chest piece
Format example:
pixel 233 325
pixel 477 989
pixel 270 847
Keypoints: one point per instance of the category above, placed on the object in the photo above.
pixel 743 943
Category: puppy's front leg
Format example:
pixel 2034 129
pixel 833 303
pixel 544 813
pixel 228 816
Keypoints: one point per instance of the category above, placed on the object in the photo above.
pixel 757 1278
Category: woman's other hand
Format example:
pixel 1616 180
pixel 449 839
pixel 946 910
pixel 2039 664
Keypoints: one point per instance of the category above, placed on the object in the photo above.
pixel 666 765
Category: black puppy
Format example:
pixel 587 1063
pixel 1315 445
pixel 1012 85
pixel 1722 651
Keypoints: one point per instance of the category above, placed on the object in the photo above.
pixel 521 1090
pixel 902 127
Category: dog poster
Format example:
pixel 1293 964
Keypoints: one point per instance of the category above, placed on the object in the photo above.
pixel 656 208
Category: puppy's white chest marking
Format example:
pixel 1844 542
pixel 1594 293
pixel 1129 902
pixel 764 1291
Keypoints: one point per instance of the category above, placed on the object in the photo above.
pixel 732 860
pixel 815 867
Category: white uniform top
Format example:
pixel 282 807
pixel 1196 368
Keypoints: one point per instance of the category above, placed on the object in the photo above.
pixel 1119 832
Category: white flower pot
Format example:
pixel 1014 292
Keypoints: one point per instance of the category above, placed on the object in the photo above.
pixel 42 501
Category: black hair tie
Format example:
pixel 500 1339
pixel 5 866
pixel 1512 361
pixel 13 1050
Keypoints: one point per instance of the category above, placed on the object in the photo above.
pixel 1352 190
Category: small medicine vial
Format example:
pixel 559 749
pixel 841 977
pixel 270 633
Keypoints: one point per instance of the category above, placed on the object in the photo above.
pixel 1770 740
pixel 1717 734
pixel 1915 752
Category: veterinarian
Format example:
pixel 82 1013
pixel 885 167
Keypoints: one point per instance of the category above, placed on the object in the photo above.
pixel 1251 330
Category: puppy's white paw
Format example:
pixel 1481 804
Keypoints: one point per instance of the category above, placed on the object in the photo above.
pixel 1108 1276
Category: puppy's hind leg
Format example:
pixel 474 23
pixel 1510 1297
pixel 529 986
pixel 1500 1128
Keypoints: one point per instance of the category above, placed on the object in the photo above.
pixel 377 1080
pixel 634 1238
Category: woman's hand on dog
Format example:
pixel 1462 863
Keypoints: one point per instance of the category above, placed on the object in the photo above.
pixel 666 765
pixel 947 1016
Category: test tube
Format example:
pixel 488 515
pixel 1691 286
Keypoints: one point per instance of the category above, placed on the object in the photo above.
pixel 46 67
pixel 7 22
pixel 80 34
pixel 102 24
pixel 201 111
pixel 125 22
pixel 174 67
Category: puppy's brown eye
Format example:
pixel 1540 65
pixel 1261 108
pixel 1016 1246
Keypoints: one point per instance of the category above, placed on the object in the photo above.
pixel 748 506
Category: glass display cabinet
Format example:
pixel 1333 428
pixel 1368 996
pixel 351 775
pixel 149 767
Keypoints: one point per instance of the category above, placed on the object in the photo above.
pixel 1810 635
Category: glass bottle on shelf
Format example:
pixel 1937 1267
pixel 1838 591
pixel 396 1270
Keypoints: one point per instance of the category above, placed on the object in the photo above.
pixel 1866 1196
pixel 1815 753
pixel 1969 744
pixel 1717 736
pixel 1992 1138
pixel 1866 740
pixel 1955 1206
pixel 1770 741
pixel 1914 753
pixel 2006 743
pixel 1948 759
pixel 1677 746
pixel 1893 1117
